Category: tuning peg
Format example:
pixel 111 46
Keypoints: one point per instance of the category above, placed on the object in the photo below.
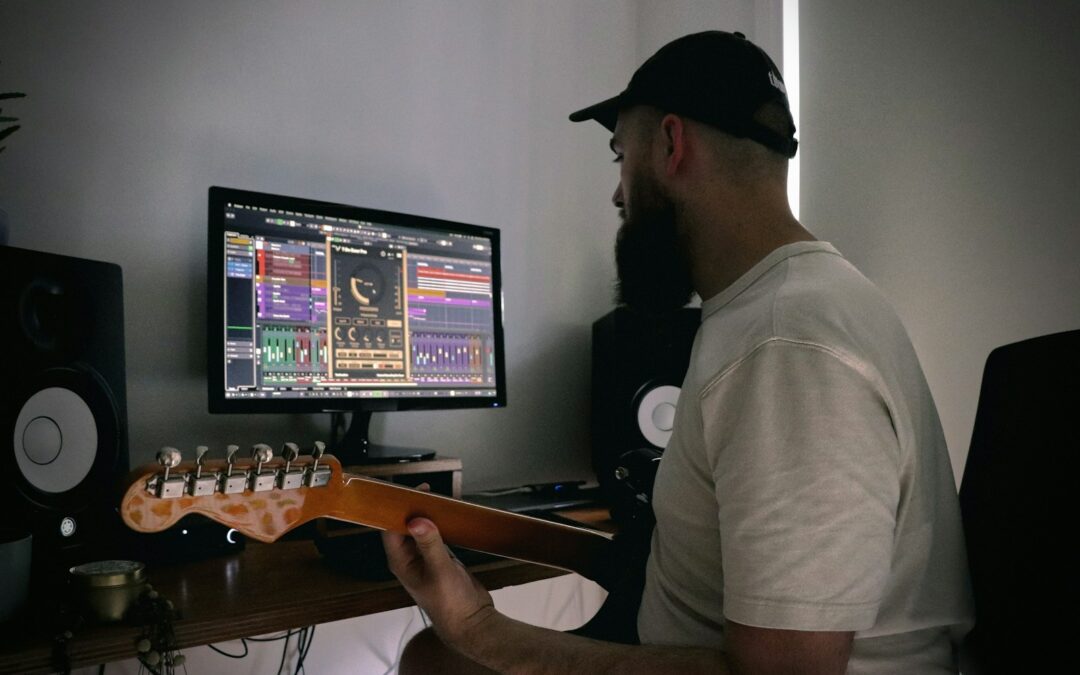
pixel 290 451
pixel 200 452
pixel 232 484
pixel 198 485
pixel 261 453
pixel 168 488
pixel 290 479
pixel 230 456
pixel 317 476
pixel 168 458
pixel 318 449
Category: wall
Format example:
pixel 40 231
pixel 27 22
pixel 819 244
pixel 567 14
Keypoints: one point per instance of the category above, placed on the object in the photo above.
pixel 939 153
pixel 659 23
pixel 453 110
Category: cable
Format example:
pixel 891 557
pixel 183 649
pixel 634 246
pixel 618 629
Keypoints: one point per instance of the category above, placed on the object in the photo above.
pixel 232 656
pixel 300 639
pixel 284 652
pixel 269 639
pixel 504 491
pixel 307 637
pixel 405 634
pixel 307 648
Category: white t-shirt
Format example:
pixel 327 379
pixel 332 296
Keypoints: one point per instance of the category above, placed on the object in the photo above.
pixel 807 485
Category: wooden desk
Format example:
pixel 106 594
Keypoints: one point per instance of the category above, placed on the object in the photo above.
pixel 264 589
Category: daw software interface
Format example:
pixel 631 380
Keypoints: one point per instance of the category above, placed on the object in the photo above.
pixel 320 306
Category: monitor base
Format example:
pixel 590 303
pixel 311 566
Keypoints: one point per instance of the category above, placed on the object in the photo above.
pixel 384 454
pixel 356 448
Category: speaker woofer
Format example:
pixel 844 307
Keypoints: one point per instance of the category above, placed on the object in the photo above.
pixel 63 423
pixel 638 363
pixel 65 438
pixel 655 406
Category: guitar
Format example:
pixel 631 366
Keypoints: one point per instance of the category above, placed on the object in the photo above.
pixel 265 497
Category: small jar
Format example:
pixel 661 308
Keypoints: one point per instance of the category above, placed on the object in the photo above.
pixel 107 589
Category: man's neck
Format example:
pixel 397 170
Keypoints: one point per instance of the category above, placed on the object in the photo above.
pixel 725 242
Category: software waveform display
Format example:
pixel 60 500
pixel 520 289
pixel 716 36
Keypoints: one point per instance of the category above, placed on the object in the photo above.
pixel 316 305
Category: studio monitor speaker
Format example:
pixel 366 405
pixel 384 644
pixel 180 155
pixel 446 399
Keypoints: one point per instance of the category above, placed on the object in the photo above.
pixel 63 421
pixel 638 364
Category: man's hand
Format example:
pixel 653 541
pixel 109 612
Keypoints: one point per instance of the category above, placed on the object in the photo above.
pixel 465 620
pixel 440 585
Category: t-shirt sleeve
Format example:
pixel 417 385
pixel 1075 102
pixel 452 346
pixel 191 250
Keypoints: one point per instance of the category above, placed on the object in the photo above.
pixel 805 462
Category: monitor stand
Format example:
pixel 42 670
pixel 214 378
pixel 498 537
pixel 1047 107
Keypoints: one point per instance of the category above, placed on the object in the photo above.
pixel 356 448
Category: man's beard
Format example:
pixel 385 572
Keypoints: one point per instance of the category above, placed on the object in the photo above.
pixel 653 270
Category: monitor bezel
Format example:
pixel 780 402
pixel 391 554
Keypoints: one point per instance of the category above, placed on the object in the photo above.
pixel 215 370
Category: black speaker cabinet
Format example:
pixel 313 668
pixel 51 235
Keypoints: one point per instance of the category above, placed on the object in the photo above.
pixel 63 422
pixel 638 364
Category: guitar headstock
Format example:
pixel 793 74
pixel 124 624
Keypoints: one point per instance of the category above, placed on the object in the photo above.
pixel 262 496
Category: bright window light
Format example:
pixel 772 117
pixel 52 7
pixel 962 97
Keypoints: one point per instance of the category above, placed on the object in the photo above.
pixel 791 81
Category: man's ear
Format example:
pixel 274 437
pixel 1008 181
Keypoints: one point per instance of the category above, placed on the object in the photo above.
pixel 673 134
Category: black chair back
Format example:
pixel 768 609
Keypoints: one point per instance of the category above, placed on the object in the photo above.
pixel 1018 500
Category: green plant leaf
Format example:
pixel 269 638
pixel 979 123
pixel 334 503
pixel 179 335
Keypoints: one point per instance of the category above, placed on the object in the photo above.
pixel 4 133
pixel 12 94
pixel 9 119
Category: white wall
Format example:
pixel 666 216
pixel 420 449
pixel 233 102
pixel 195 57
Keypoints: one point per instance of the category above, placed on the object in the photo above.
pixel 450 109
pixel 938 144
pixel 454 110
pixel 661 22
pixel 940 154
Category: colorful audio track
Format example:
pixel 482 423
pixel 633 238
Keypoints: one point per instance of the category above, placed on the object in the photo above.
pixel 450 296
pixel 449 357
pixel 434 334
pixel 289 284
pixel 293 355
pixel 430 278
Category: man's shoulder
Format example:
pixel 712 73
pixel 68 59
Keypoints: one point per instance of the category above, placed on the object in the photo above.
pixel 819 299
pixel 826 299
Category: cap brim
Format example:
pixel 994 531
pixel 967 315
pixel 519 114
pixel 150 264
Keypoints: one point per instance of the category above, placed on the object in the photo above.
pixel 604 112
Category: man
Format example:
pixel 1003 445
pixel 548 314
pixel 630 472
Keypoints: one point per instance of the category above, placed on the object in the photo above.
pixel 806 512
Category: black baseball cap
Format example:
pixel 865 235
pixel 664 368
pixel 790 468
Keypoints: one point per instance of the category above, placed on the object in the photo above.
pixel 715 77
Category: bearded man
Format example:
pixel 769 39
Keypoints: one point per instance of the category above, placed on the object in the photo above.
pixel 806 512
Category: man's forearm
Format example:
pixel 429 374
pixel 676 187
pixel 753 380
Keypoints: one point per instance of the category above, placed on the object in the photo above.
pixel 510 646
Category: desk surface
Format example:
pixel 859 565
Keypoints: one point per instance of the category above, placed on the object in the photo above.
pixel 266 588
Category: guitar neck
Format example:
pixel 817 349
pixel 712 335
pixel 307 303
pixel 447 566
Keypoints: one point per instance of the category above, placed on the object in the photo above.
pixel 266 501
pixel 387 506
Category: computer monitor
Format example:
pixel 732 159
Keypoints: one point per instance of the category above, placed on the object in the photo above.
pixel 322 307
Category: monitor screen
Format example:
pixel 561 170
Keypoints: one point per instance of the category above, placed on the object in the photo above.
pixel 326 307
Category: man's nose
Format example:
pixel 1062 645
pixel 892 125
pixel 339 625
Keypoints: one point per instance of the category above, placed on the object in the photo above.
pixel 617 198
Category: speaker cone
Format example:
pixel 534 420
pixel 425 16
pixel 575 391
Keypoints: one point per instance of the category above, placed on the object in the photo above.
pixel 64 437
pixel 655 406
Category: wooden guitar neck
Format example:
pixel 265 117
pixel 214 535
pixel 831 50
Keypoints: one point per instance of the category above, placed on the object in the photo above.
pixel 265 500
